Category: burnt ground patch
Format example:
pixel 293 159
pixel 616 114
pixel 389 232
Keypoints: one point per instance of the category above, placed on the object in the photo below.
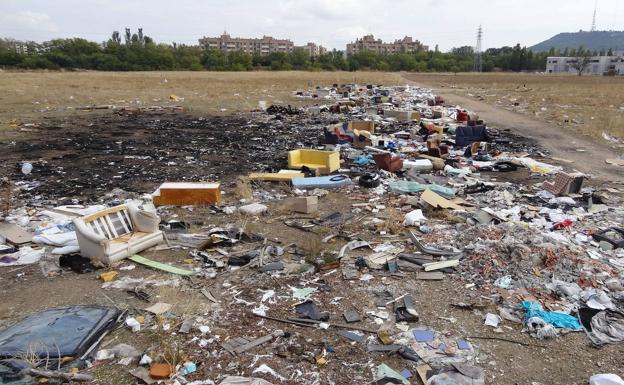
pixel 85 156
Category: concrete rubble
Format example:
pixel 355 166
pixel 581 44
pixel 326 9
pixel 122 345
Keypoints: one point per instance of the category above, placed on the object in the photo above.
pixel 282 280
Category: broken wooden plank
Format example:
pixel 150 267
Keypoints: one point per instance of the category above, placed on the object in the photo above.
pixel 441 265
pixel 430 276
pixel 258 342
pixel 422 371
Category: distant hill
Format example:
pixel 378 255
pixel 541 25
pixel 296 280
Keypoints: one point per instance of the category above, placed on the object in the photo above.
pixel 595 41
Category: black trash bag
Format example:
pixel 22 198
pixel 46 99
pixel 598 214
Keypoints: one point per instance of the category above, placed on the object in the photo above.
pixel 76 263
pixel 240 260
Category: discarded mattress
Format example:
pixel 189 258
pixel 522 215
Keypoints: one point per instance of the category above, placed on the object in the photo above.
pixel 326 182
pixel 59 332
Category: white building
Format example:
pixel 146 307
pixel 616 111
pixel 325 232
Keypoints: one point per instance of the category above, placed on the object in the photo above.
pixel 598 65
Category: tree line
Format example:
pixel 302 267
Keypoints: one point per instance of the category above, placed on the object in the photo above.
pixel 138 52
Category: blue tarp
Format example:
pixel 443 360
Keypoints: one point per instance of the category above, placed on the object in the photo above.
pixel 558 320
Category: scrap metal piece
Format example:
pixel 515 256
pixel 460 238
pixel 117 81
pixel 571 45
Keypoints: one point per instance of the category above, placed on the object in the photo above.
pixel 258 341
pixel 431 251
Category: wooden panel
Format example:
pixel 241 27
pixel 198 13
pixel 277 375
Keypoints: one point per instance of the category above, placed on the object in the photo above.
pixel 188 196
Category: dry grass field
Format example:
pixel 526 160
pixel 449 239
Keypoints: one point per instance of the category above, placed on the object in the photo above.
pixel 588 104
pixel 30 95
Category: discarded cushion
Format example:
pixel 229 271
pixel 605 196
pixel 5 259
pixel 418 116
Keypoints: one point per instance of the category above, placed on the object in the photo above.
pixel 58 332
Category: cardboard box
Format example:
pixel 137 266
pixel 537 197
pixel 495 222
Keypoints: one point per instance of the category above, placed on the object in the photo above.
pixel 362 125
pixel 305 205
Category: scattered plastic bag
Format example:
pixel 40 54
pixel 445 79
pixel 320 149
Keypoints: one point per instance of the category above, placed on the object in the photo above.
pixel 414 218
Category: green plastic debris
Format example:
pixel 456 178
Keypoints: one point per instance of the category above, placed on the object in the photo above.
pixel 387 375
pixel 303 293
pixel 160 266
pixel 407 187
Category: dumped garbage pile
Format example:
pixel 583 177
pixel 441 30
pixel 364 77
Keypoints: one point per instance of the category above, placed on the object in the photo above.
pixel 336 244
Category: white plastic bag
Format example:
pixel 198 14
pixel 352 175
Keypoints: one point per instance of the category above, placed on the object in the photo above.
pixel 606 379
pixel 414 218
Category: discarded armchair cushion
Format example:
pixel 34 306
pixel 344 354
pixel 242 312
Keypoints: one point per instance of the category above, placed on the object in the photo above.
pixel 117 233
pixel 325 162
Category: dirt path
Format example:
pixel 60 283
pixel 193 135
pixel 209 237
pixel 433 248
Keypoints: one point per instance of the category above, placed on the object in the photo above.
pixel 587 154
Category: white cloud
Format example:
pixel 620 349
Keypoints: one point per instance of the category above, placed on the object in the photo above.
pixel 34 23
pixel 327 10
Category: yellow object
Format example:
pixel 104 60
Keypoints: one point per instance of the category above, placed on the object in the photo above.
pixel 320 361
pixel 109 276
pixel 140 319
pixel 384 337
pixel 325 162
pixel 282 176
pixel 74 370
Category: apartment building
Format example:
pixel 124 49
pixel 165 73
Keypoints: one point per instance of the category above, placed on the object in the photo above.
pixel 598 65
pixel 369 43
pixel 264 45
pixel 313 49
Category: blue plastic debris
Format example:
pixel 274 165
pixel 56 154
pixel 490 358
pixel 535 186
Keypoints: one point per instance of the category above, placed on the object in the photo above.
pixel 463 345
pixel 406 374
pixel 423 335
pixel 189 367
pixel 558 320
pixel 363 160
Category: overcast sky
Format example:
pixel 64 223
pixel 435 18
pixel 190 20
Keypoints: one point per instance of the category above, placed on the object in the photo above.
pixel 333 23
